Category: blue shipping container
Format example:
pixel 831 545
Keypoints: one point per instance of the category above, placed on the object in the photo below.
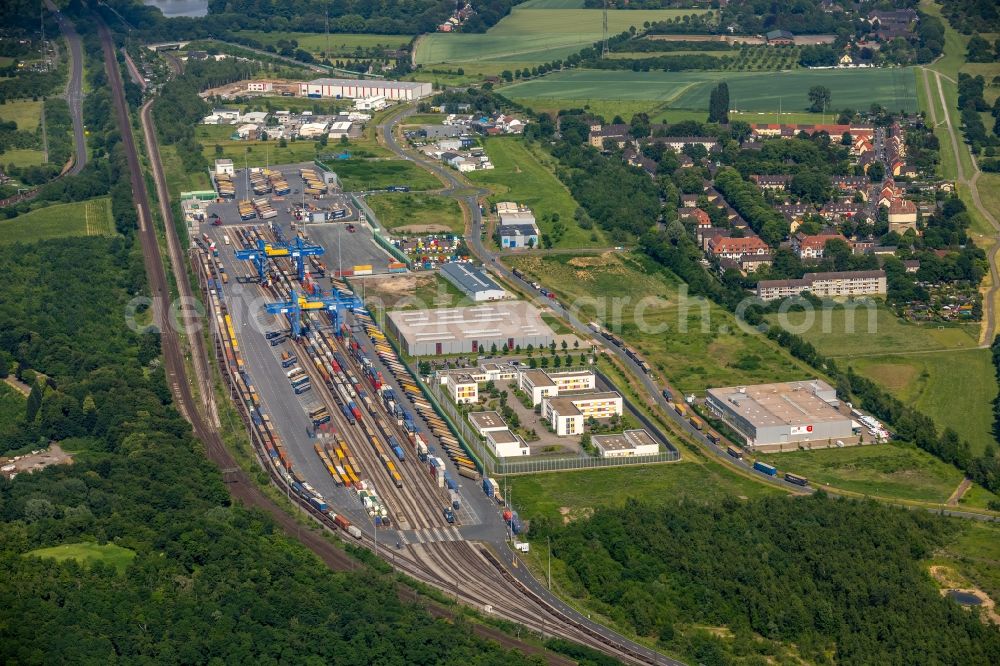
pixel 399 452
pixel 319 504
pixel 770 470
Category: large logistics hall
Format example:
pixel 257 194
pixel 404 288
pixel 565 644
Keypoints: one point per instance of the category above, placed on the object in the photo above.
pixel 355 88
pixel 465 330
pixel 779 417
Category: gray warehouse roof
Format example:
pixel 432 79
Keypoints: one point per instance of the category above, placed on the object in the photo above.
pixel 789 403
pixel 518 229
pixel 498 320
pixel 469 279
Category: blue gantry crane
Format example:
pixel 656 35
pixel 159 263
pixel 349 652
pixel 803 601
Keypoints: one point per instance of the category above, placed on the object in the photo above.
pixel 297 250
pixel 335 305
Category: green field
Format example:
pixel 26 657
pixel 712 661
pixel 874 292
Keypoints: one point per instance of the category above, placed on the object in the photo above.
pixel 179 180
pixel 566 495
pixel 534 34
pixel 356 175
pixel 425 119
pixel 519 175
pixel 417 213
pixel 262 153
pixel 888 470
pixel 954 388
pixel 22 157
pixel 84 218
pixel 665 328
pixel 335 44
pixel 26 113
pixel 749 91
pixel 857 330
pixel 975 556
pixel 88 553
pixel 11 404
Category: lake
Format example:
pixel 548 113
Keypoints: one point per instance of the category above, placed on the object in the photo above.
pixel 965 598
pixel 172 8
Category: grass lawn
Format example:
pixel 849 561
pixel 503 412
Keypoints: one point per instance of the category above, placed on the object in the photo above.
pixel 22 157
pixel 565 495
pixel 406 213
pixel 887 470
pixel 857 330
pixel 11 404
pixel 749 91
pixel 356 175
pixel 425 119
pixel 954 388
pixel 533 35
pixel 520 175
pixel 665 328
pixel 26 113
pixel 335 44
pixel 178 180
pixel 84 218
pixel 87 553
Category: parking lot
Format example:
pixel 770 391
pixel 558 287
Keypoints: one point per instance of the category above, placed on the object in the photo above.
pixel 346 249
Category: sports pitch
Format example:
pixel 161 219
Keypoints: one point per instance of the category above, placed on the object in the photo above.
pixel 748 91
pixel 535 33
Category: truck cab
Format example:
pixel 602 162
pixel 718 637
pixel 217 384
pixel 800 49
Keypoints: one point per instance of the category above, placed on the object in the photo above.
pixel 449 515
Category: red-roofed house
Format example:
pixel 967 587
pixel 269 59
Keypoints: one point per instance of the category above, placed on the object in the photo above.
pixel 811 247
pixel 723 247
pixel 902 215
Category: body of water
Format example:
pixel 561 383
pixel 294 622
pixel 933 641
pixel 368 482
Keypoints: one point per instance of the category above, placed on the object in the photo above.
pixel 965 598
pixel 172 8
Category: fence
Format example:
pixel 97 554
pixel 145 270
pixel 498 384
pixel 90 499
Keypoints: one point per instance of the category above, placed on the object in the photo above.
pixel 500 466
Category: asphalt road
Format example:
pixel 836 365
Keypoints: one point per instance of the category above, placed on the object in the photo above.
pixel 489 259
pixel 74 88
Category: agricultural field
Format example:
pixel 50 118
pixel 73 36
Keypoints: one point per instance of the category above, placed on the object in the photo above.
pixel 567 495
pixel 417 213
pixel 954 388
pixel 666 328
pixel 334 45
pixel 533 34
pixel 84 218
pixel 889 470
pixel 519 175
pixel 88 553
pixel 26 113
pixel 749 91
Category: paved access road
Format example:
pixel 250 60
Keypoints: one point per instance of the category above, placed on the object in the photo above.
pixel 74 88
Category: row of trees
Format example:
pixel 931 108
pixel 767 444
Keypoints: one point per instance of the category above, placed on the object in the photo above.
pixel 822 580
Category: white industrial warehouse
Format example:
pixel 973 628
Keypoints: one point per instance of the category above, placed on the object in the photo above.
pixel 356 88
pixel 783 417
pixel 473 282
pixel 466 330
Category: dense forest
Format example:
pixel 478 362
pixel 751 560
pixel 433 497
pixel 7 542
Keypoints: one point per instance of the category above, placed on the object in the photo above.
pixel 828 581
pixel 209 581
pixel 970 16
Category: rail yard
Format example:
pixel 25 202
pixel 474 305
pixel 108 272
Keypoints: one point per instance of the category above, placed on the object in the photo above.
pixel 340 423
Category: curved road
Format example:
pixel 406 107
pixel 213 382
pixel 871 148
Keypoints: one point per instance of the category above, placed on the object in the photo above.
pixel 489 259
pixel 74 88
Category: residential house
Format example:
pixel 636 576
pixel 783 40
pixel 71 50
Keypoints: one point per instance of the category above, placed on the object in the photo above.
pixel 618 134
pixel 768 182
pixel 808 246
pixel 902 215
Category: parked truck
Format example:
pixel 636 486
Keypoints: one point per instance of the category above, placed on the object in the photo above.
pixel 761 466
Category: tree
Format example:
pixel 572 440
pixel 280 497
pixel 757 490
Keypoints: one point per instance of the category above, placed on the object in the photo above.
pixel 218 150
pixel 876 172
pixel 718 104
pixel 819 98
pixel 978 49
pixel 493 348
pixel 34 402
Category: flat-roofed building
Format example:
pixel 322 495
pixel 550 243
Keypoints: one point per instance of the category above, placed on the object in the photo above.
pixel 473 282
pixel 486 422
pixel 777 417
pixel 464 330
pixel 626 444
pixel 462 387
pixel 506 444
pixel 355 88
pixel 567 414
pixel 541 384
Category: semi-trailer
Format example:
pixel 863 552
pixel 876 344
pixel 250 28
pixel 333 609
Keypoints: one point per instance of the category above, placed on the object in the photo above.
pixel 761 466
